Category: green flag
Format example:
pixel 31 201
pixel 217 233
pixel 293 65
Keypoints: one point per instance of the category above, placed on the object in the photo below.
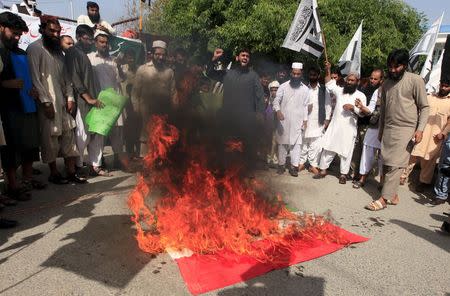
pixel 101 121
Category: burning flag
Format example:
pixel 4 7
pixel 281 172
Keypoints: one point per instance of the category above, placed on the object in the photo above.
pixel 183 206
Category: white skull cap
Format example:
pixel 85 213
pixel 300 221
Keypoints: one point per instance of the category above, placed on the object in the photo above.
pixel 298 66
pixel 160 44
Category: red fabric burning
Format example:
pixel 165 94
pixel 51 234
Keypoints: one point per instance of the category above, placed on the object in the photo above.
pixel 189 206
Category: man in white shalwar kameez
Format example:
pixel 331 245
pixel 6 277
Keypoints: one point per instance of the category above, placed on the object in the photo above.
pixel 319 113
pixel 339 139
pixel 291 106
pixel 109 75
pixel 371 143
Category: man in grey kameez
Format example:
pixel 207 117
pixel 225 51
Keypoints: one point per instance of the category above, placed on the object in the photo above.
pixel 52 83
pixel 404 114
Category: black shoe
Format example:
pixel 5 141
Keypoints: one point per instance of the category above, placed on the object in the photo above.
pixel 5 223
pixel 58 180
pixel 75 178
pixel 293 171
pixel 281 170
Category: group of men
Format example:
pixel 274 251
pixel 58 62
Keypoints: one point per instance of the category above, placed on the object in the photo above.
pixel 391 119
pixel 310 120
pixel 60 81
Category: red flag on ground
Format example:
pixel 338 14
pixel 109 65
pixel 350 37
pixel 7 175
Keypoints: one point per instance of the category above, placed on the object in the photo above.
pixel 203 273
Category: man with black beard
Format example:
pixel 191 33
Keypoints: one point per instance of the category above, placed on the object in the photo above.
pixel 94 20
pixel 51 81
pixel 153 90
pixel 403 116
pixel 21 129
pixel 375 81
pixel 26 7
pixel 243 103
pixel 291 107
pixel 319 114
pixel 341 133
pixel 86 89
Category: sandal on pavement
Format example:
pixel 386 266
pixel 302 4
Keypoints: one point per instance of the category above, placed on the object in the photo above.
pixel 319 176
pixel 358 184
pixel 75 178
pixel 375 205
pixel 34 184
pixel 58 180
pixel 98 171
pixel 342 179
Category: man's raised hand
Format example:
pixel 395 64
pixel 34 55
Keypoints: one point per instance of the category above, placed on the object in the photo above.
pixel 218 52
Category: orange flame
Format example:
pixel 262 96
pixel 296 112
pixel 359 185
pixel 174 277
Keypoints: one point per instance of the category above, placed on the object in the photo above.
pixel 199 211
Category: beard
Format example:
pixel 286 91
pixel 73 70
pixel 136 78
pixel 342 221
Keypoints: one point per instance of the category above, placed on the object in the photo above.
pixel 295 82
pixel 350 89
pixel 104 52
pixel 158 64
pixel 10 44
pixel 396 77
pixel 52 44
pixel 94 18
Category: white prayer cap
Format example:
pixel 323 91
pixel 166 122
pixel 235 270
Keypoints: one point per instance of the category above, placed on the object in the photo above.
pixel 100 33
pixel 298 66
pixel 274 84
pixel 354 73
pixel 159 44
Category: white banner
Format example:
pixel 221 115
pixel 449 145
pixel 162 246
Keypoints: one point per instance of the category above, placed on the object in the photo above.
pixel 425 46
pixel 305 32
pixel 435 76
pixel 33 29
pixel 350 60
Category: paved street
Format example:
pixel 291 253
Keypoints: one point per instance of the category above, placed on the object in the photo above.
pixel 78 240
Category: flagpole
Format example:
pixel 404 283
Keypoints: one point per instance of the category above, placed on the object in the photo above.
pixel 141 7
pixel 325 47
pixel 323 35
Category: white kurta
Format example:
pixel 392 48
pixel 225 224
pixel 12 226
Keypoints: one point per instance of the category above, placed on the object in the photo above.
pixel 341 133
pixel 314 128
pixel 371 138
pixel 85 20
pixel 293 103
pixel 107 75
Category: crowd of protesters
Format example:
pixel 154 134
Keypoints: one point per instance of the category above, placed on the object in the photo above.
pixel 308 116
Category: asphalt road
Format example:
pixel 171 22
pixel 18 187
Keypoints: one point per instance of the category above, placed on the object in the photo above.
pixel 78 240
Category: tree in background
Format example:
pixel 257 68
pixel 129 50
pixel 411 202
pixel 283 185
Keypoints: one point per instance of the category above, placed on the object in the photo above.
pixel 262 25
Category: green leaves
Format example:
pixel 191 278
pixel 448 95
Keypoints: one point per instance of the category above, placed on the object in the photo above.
pixel 262 25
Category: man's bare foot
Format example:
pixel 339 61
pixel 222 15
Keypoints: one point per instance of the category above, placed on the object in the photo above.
pixel 393 201
pixel 301 167
pixel 314 170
